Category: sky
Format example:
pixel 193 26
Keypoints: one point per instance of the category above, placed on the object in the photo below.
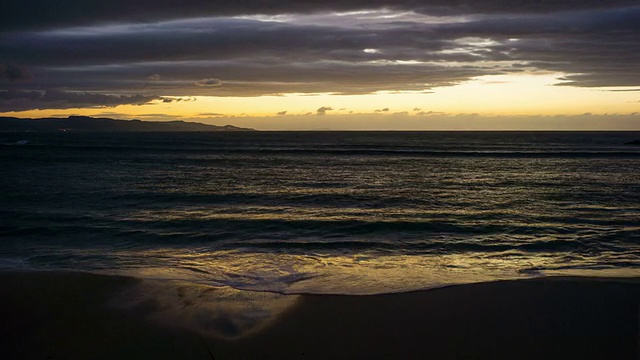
pixel 327 65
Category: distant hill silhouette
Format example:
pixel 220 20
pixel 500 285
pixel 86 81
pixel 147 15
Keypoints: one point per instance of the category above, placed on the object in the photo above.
pixel 86 123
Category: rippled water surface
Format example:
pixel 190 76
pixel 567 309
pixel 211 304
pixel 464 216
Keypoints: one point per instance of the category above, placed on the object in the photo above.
pixel 343 212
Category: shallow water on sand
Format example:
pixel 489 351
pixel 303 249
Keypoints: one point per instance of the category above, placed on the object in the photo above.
pixel 343 212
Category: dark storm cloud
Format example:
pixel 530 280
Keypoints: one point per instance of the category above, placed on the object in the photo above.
pixel 216 39
pixel 13 73
pixel 219 39
pixel 57 99
pixel 25 14
pixel 208 82
pixel 257 76
pixel 593 42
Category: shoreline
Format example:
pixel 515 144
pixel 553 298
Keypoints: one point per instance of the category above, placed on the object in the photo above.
pixel 71 315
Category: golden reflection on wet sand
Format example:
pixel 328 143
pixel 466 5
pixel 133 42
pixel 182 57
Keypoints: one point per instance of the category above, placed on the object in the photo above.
pixel 222 312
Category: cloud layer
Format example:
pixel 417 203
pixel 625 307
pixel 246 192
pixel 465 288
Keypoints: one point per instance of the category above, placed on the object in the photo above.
pixel 25 14
pixel 16 100
pixel 101 54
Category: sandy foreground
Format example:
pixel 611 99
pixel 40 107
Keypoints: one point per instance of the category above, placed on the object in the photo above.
pixel 63 315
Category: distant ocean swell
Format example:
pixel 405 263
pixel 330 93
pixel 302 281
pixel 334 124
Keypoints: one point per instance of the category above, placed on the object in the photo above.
pixel 493 153
pixel 263 223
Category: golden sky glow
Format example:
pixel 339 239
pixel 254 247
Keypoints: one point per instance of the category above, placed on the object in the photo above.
pixel 499 95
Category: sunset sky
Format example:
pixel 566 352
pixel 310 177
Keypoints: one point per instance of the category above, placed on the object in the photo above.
pixel 349 64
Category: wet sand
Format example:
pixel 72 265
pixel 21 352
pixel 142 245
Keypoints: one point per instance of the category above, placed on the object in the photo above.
pixel 59 315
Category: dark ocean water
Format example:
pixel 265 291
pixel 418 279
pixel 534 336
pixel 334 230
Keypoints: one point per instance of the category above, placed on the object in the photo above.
pixel 337 212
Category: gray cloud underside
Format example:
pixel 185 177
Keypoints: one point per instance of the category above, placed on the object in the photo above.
pixel 259 76
pixel 56 99
pixel 244 57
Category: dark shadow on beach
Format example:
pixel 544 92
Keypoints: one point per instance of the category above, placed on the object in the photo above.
pixel 71 316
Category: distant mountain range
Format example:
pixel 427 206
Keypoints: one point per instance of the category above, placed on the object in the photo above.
pixel 86 123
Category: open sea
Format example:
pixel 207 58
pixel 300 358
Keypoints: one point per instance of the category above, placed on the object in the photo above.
pixel 322 212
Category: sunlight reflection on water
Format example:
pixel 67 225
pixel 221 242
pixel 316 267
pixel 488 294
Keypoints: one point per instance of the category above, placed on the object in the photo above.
pixel 357 273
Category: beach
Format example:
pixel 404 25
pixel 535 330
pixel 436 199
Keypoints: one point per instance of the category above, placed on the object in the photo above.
pixel 71 315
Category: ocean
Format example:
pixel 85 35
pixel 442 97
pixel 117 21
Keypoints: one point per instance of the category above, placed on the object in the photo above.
pixel 322 212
